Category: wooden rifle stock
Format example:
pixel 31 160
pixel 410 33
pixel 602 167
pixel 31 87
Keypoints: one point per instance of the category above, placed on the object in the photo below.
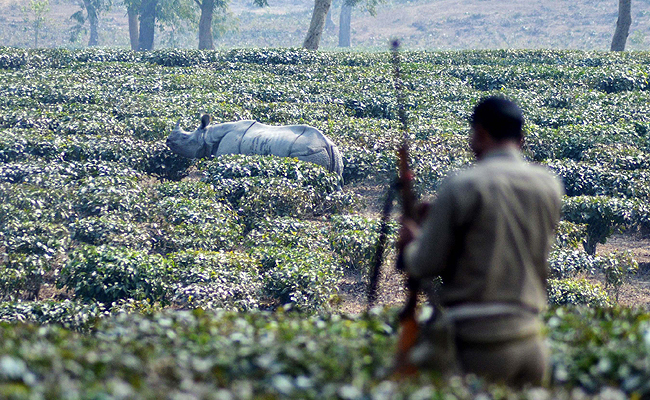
pixel 409 331
pixel 407 318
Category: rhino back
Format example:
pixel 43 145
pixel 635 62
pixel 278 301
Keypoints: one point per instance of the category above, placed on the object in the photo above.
pixel 260 139
pixel 229 136
pixel 215 133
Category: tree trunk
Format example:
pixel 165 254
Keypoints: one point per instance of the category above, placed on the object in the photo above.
pixel 622 25
pixel 133 28
pixel 329 24
pixel 321 7
pixel 147 24
pixel 344 24
pixel 93 20
pixel 205 25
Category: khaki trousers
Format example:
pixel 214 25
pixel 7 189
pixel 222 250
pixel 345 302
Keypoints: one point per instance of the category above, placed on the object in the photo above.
pixel 502 348
pixel 516 363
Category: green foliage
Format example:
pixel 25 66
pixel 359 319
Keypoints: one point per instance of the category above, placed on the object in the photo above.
pixel 268 186
pixel 567 263
pixel 577 292
pixel 112 230
pixel 33 237
pixel 106 194
pixel 602 216
pixel 602 352
pixel 306 279
pixel 215 280
pixel 287 232
pixel 569 235
pixel 21 275
pixel 592 348
pixel 362 163
pixel 91 197
pixel 72 315
pixel 200 224
pixel 107 274
pixel 584 179
pixel 617 268
pixel 354 239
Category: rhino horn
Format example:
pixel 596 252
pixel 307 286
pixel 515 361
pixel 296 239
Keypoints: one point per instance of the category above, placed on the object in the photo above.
pixel 178 125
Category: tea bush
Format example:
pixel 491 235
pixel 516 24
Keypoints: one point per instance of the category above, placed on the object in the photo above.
pixel 569 235
pixel 113 230
pixel 187 189
pixel 582 179
pixel 34 237
pixel 215 280
pixel 288 233
pixel 82 161
pixel 21 275
pixel 617 267
pixel 197 224
pixel 107 274
pixel 270 186
pixel 243 166
pixel 595 353
pixel 305 278
pixel 577 292
pixel 354 239
pixel 105 194
pixel 72 315
pixel 602 216
pixel 567 263
pixel 594 347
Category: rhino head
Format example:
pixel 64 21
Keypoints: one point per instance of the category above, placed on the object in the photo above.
pixel 189 144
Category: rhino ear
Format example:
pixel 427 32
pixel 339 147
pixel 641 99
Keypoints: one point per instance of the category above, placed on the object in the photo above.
pixel 178 125
pixel 205 121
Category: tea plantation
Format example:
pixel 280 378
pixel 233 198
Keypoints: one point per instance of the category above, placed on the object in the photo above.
pixel 129 272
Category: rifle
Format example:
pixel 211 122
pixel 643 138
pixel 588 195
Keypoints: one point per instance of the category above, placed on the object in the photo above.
pixel 407 321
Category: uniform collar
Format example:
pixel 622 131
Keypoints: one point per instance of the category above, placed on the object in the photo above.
pixel 504 152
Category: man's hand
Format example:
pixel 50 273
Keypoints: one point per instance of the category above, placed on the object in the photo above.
pixel 409 231
pixel 410 227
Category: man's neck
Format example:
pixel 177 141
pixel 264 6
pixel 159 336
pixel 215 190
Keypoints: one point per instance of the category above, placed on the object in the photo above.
pixel 502 146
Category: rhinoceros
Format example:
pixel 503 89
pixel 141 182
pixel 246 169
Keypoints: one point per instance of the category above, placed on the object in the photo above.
pixel 303 142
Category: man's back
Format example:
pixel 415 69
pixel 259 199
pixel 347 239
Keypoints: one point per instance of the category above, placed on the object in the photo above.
pixel 505 215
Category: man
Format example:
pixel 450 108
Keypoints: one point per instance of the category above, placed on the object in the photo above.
pixel 488 234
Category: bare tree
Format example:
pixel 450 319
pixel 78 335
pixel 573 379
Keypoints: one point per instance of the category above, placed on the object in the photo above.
pixel 321 7
pixel 205 24
pixel 346 17
pixel 93 9
pixel 622 25
pixel 147 24
pixel 329 23
pixel 345 20
pixel 132 10
pixel 206 21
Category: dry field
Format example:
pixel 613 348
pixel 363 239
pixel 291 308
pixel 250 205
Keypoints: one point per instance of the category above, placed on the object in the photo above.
pixel 440 24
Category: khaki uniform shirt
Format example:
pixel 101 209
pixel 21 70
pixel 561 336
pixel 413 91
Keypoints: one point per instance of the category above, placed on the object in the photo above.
pixel 488 233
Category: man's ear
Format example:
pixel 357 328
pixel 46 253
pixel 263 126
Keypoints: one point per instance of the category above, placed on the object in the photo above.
pixel 521 141
pixel 205 121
